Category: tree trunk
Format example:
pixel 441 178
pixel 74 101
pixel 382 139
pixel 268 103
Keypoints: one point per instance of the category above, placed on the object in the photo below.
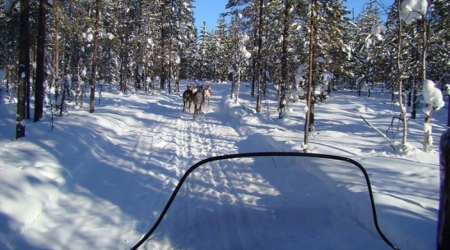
pixel 258 95
pixel 399 77
pixel 123 54
pixel 40 61
pixel 163 50
pixel 309 112
pixel 254 63
pixel 24 67
pixel 56 52
pixel 180 51
pixel 415 100
pixel 284 77
pixel 94 58
pixel 231 80
pixel 238 83
pixel 169 69
pixel 415 81
pixel 427 134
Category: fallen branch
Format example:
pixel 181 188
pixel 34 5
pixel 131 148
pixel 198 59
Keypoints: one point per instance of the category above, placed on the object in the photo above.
pixel 391 125
pixel 381 133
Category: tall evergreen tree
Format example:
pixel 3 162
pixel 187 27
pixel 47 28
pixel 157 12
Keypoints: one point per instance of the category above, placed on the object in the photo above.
pixel 287 17
pixel 439 42
pixel 40 62
pixel 24 67
pixel 368 41
pixel 185 37
pixel 94 57
pixel 221 53
pixel 204 54
pixel 309 123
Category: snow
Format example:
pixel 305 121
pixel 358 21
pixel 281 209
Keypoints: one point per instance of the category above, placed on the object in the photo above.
pixel 177 58
pixel 327 77
pixel 413 10
pixel 90 37
pixel 300 73
pixel 432 96
pixel 99 181
pixel 245 52
pixel 378 31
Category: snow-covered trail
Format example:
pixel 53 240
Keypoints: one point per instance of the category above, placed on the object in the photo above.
pixel 225 206
pixel 122 172
pixel 265 203
pixel 127 157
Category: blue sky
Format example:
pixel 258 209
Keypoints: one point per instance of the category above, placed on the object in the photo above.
pixel 209 10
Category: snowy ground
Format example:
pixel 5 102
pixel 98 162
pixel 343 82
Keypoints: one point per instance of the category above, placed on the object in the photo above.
pixel 100 180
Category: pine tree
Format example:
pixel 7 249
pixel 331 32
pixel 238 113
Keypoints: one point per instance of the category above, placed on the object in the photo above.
pixel 332 37
pixel 439 42
pixel 238 54
pixel 368 41
pixel 220 43
pixel 94 57
pixel 252 12
pixel 309 123
pixel 204 54
pixel 439 35
pixel 24 67
pixel 184 38
pixel 40 62
pixel 286 23
pixel 327 52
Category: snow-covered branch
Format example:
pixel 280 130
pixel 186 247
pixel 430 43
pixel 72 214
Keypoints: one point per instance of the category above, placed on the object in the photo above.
pixel 413 10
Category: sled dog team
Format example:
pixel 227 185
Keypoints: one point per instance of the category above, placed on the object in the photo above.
pixel 196 95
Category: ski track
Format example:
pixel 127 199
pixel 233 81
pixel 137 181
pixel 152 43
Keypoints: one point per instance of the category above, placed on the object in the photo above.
pixel 165 147
pixel 191 140
pixel 185 141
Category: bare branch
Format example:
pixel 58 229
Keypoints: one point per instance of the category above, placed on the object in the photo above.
pixel 381 133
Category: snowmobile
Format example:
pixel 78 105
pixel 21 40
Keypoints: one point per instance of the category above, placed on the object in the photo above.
pixel 280 200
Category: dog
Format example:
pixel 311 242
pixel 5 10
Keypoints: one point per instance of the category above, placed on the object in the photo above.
pixel 187 98
pixel 207 94
pixel 198 99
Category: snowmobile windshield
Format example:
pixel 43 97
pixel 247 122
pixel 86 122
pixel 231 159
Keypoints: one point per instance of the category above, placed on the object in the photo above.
pixel 270 201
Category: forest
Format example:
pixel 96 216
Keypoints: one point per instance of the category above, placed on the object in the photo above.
pixel 55 51
pixel 94 139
